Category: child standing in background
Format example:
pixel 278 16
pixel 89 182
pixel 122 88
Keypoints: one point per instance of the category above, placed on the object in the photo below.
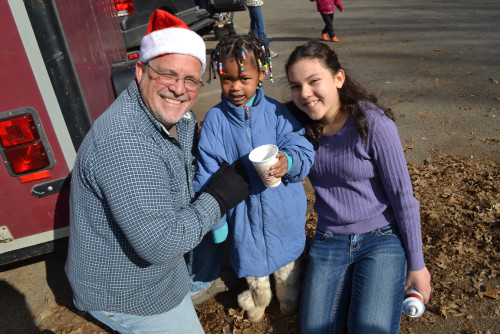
pixel 326 8
pixel 267 231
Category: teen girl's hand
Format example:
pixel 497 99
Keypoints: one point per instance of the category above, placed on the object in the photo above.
pixel 420 280
pixel 279 169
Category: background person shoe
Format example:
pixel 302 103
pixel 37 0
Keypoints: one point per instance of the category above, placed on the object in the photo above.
pixel 327 8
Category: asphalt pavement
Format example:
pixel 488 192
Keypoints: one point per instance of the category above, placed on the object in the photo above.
pixel 435 63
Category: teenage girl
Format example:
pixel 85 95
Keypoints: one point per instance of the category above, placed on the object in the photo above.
pixel 266 231
pixel 367 249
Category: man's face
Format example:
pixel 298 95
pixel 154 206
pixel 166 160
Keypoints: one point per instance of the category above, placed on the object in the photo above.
pixel 168 103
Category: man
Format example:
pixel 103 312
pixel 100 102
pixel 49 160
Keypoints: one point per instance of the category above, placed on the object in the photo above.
pixel 134 213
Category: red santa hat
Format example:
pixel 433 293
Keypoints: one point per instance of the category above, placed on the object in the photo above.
pixel 169 34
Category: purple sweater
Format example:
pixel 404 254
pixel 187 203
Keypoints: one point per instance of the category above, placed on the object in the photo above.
pixel 361 186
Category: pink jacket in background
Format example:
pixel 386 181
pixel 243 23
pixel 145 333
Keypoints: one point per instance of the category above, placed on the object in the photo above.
pixel 328 6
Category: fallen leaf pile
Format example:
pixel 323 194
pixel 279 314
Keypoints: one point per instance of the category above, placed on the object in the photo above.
pixel 460 216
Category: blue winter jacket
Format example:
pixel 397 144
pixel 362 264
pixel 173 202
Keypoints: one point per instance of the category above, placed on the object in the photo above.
pixel 267 230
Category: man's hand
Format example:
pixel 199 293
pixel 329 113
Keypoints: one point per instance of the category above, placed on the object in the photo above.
pixel 229 186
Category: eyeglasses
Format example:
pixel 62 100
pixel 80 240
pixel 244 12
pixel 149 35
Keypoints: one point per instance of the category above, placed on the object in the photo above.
pixel 169 79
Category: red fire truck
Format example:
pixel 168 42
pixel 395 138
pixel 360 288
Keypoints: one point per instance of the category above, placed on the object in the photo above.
pixel 57 60
pixel 62 64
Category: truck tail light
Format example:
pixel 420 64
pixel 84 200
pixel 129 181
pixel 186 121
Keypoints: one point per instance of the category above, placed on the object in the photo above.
pixel 133 55
pixel 124 7
pixel 22 147
pixel 18 130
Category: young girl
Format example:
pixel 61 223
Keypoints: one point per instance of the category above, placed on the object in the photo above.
pixel 368 232
pixel 266 231
pixel 327 9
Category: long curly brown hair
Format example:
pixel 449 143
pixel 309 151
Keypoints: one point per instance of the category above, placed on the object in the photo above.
pixel 350 95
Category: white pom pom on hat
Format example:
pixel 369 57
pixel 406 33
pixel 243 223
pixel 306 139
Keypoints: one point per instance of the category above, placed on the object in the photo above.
pixel 169 34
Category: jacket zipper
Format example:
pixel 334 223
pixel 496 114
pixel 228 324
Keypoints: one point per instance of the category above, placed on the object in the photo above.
pixel 249 133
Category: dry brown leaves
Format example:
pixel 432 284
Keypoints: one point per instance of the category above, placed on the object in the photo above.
pixel 460 214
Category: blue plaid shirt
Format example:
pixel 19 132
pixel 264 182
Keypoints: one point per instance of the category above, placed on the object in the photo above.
pixel 133 211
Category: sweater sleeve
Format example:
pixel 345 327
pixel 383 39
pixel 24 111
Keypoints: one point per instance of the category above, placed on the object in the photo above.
pixel 391 164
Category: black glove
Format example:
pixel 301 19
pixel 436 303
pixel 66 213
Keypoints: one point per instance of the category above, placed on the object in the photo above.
pixel 229 186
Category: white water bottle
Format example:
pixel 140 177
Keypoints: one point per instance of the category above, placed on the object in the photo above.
pixel 413 304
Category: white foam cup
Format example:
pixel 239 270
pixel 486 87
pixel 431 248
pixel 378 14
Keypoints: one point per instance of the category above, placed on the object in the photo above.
pixel 262 158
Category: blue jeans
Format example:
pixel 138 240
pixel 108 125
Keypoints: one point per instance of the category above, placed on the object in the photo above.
pixel 257 25
pixel 180 320
pixel 204 263
pixel 356 281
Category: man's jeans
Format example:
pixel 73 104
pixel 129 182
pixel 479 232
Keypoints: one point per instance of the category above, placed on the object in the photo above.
pixel 180 320
pixel 359 275
pixel 257 25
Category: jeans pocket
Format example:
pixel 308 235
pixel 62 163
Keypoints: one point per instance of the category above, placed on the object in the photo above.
pixel 320 236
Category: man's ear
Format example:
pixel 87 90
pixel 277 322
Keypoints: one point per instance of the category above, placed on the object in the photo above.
pixel 140 70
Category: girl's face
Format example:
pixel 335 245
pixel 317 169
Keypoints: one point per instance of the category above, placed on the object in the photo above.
pixel 237 87
pixel 315 89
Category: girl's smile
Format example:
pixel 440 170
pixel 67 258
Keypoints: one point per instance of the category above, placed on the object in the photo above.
pixel 315 91
pixel 315 88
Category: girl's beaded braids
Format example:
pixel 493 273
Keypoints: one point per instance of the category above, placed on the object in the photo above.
pixel 238 46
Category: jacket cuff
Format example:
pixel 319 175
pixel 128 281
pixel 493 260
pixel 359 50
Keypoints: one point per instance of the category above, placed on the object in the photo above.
pixel 289 159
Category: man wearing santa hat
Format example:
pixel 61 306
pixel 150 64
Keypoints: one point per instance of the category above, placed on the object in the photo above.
pixel 134 213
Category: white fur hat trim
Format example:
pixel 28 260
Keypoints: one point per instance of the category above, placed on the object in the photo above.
pixel 173 40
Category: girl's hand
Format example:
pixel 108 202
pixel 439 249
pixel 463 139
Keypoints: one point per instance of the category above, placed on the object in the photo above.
pixel 420 280
pixel 279 169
